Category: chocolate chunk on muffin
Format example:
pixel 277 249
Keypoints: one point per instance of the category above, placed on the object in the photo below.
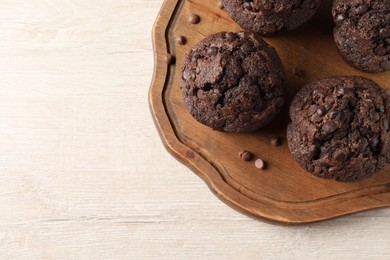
pixel 362 33
pixel 271 17
pixel 340 128
pixel 233 82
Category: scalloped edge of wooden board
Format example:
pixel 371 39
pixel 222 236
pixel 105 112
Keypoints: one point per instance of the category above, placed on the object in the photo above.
pixel 213 174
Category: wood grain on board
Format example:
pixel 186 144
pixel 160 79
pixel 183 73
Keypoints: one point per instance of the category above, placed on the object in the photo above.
pixel 283 192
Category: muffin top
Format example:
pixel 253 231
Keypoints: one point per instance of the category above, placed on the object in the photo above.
pixel 340 128
pixel 233 82
pixel 362 33
pixel 271 17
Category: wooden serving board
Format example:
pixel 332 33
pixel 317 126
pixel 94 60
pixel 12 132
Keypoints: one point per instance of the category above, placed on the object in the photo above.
pixel 284 192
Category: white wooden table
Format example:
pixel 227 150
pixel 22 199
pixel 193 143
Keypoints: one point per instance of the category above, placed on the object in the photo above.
pixel 83 173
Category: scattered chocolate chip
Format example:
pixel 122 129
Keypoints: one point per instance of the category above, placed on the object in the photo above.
pixel 220 4
pixel 299 72
pixel 245 155
pixel 374 115
pixel 260 164
pixel 169 59
pixel 380 50
pixel 385 65
pixel 181 40
pixel 276 141
pixel 321 111
pixel 194 19
pixel 388 92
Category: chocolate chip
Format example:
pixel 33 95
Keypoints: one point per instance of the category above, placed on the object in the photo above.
pixel 299 72
pixel 367 103
pixel 374 115
pixel 181 40
pixel 316 118
pixel 385 65
pixel 340 91
pixel 311 110
pixel 385 124
pixel 196 57
pixel 194 19
pixel 362 145
pixel 361 9
pixel 212 51
pixel 245 155
pixel 246 47
pixel 333 114
pixel 381 108
pixel 260 164
pixel 231 36
pixel 186 74
pixel 380 50
pixel 220 4
pixel 276 141
pixel 321 111
pixel 341 157
pixel 247 6
pixel 384 32
pixel 340 17
pixel 374 141
pixel 329 127
pixel 169 59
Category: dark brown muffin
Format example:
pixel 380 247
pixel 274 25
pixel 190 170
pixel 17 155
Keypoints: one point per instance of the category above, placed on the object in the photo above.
pixel 362 33
pixel 233 82
pixel 340 128
pixel 271 17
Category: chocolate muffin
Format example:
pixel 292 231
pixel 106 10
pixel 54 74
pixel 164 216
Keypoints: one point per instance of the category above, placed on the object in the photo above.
pixel 340 128
pixel 362 33
pixel 233 82
pixel 271 17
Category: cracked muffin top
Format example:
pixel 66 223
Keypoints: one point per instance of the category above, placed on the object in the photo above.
pixel 362 33
pixel 233 82
pixel 340 128
pixel 271 17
